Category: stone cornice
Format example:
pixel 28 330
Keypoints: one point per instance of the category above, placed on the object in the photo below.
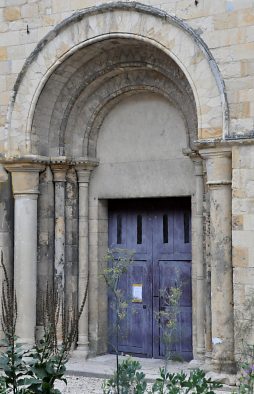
pixel 24 167
pixel 59 171
pixel 25 177
pixel 84 168
pixel 222 151
pixel 33 159
pixel 18 160
pixel 223 143
pixel 218 166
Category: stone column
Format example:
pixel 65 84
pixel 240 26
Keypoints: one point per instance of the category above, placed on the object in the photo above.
pixel 83 171
pixel 25 182
pixel 59 176
pixel 198 256
pixel 219 174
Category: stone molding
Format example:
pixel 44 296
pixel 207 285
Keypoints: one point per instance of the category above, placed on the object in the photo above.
pixel 59 172
pixel 218 165
pixel 25 177
pixel 84 171
pixel 99 23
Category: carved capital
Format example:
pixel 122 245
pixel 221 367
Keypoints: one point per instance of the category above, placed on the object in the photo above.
pixel 59 172
pixel 218 166
pixel 198 164
pixel 25 177
pixel 84 167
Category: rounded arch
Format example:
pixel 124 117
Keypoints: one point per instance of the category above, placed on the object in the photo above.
pixel 121 21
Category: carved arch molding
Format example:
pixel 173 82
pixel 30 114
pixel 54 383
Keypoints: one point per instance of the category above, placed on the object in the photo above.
pixel 84 67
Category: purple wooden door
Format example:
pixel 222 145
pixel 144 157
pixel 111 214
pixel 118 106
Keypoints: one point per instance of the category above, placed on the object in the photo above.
pixel 131 229
pixel 159 232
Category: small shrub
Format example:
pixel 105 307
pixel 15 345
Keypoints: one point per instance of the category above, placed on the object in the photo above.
pixel 180 383
pixel 129 378
pixel 246 380
pixel 37 369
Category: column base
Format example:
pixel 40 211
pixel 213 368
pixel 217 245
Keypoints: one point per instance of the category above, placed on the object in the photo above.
pixel 228 367
pixel 223 378
pixel 82 351
pixel 195 363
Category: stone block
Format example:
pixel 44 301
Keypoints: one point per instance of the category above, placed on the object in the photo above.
pixel 242 238
pixel 238 193
pixel 240 110
pixel 250 188
pixel 248 222
pixel 246 95
pixel 226 21
pixel 239 294
pixel 3 53
pixel 237 222
pixel 244 276
pixel 246 17
pixel 240 256
pixel 29 10
pixel 12 13
pixel 247 67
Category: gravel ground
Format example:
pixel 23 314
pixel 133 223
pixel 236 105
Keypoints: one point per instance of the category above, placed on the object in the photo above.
pixel 81 385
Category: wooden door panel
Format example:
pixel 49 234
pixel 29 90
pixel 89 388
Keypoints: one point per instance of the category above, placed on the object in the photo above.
pixel 161 238
pixel 182 234
pixel 136 336
pixel 117 230
pixel 135 330
pixel 177 274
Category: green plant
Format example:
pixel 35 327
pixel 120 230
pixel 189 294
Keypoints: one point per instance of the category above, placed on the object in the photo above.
pixel 129 379
pixel 244 321
pixel 118 261
pixel 246 385
pixel 167 319
pixel 37 369
pixel 180 383
pixel 17 376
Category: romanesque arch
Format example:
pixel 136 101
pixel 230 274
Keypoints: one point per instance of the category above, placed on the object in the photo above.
pixel 81 71
pixel 96 24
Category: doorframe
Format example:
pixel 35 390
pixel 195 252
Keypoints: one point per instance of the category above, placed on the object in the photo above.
pixel 98 321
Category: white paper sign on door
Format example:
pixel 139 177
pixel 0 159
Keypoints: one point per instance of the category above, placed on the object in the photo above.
pixel 137 292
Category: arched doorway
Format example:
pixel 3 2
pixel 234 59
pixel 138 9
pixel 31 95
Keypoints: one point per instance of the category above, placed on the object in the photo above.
pixel 70 86
pixel 129 106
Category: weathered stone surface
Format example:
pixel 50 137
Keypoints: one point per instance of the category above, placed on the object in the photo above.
pixel 80 93
pixel 11 13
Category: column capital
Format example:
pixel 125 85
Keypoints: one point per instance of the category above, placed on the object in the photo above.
pixel 218 152
pixel 59 171
pixel 25 177
pixel 84 169
pixel 198 164
pixel 218 166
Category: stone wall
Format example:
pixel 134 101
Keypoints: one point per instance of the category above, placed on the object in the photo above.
pixel 228 32
pixel 225 26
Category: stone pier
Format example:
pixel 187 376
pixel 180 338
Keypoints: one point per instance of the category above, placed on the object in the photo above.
pixel 198 256
pixel 83 172
pixel 219 174
pixel 25 182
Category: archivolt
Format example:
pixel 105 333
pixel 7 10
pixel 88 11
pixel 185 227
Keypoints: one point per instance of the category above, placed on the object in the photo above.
pixel 83 93
pixel 71 44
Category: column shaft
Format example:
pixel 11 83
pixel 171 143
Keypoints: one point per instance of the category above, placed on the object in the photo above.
pixel 59 171
pixel 198 257
pixel 25 264
pixel 25 180
pixel 219 170
pixel 83 179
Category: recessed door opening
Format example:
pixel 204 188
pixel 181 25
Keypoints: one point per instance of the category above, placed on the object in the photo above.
pixel 159 231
